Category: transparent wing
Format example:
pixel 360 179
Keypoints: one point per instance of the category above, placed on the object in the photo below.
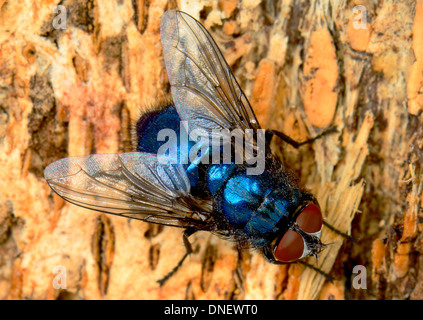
pixel 135 185
pixel 204 89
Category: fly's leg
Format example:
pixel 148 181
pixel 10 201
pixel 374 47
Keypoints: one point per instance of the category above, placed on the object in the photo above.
pixel 269 256
pixel 328 277
pixel 188 232
pixel 292 142
pixel 343 235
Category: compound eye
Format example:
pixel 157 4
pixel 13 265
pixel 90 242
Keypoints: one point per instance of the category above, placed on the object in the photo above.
pixel 290 248
pixel 310 219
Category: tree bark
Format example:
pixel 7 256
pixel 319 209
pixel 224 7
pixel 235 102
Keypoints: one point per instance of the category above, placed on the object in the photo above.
pixel 74 75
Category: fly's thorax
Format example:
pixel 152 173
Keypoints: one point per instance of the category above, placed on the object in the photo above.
pixel 259 206
pixel 273 214
pixel 242 195
pixel 217 176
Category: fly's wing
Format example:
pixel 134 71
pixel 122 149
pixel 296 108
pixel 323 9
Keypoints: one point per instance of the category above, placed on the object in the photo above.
pixel 135 185
pixel 204 89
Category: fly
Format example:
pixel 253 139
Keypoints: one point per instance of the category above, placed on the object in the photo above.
pixel 170 179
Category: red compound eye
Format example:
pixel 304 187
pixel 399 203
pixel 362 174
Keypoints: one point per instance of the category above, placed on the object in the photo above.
pixel 310 219
pixel 290 248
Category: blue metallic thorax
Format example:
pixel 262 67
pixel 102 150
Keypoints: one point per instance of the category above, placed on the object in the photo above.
pixel 257 205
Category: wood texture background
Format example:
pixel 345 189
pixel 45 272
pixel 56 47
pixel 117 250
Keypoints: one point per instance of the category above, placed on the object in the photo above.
pixel 304 66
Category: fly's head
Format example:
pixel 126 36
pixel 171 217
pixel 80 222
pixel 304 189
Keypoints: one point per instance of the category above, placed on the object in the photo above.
pixel 302 239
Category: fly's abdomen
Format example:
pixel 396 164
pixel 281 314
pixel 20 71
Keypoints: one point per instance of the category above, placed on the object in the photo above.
pixel 150 128
pixel 151 123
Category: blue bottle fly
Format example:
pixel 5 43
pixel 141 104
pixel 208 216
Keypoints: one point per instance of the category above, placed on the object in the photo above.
pixel 183 175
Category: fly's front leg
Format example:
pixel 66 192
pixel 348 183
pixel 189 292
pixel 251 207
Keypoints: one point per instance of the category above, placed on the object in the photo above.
pixel 292 142
pixel 188 232
pixel 343 235
pixel 271 258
